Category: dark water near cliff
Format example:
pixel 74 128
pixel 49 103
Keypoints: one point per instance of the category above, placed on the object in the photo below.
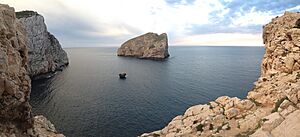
pixel 89 100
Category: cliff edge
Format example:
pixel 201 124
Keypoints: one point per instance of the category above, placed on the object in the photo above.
pixel 271 108
pixel 16 118
pixel 147 46
pixel 45 52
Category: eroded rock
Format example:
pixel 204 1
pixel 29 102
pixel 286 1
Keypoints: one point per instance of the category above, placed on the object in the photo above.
pixel 16 118
pixel 14 93
pixel 148 46
pixel 45 52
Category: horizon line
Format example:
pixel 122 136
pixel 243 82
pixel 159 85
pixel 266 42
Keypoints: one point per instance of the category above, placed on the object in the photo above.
pixel 170 46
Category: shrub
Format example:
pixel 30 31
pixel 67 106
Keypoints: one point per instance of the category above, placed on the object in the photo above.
pixel 298 76
pixel 200 127
pixel 211 127
pixel 255 102
pixel 277 104
pixel 25 14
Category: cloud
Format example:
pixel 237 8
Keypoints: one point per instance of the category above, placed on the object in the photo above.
pixel 295 9
pixel 111 22
pixel 221 39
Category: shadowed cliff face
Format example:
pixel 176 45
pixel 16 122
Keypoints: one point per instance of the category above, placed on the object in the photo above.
pixel 14 81
pixel 147 46
pixel 271 107
pixel 15 85
pixel 45 52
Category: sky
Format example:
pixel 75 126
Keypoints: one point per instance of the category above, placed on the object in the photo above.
pixel 97 23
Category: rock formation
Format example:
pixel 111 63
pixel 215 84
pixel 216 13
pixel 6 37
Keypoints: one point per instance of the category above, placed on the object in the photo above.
pixel 15 114
pixel 45 53
pixel 147 46
pixel 271 108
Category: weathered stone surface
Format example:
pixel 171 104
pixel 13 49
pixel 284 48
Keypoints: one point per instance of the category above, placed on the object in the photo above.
pixel 16 118
pixel 149 46
pixel 43 128
pixel 14 82
pixel 285 112
pixel 261 133
pixel 45 52
pixel 280 36
pixel 232 112
pixel 272 121
pixel 290 127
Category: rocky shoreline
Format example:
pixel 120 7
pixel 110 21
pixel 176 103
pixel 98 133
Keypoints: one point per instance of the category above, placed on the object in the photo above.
pixel 271 108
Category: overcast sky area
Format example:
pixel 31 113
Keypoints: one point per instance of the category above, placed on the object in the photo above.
pixel 93 23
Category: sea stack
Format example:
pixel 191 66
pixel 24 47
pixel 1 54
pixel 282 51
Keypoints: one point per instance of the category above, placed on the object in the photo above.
pixel 122 75
pixel 16 119
pixel 147 46
pixel 45 52
pixel 271 108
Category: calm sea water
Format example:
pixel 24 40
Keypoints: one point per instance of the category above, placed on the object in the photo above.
pixel 89 100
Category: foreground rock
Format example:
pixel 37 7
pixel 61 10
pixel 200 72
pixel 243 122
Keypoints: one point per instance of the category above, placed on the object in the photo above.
pixel 15 114
pixel 271 109
pixel 147 46
pixel 45 53
pixel 43 128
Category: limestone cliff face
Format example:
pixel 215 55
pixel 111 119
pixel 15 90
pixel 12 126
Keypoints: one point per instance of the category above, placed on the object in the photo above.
pixel 15 114
pixel 14 81
pixel 271 109
pixel 45 52
pixel 282 58
pixel 148 46
pixel 282 41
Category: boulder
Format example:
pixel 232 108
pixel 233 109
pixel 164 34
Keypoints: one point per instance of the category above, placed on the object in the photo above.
pixel 272 121
pixel 122 75
pixel 290 127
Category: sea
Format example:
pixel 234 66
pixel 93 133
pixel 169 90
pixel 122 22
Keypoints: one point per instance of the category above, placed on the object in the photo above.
pixel 88 99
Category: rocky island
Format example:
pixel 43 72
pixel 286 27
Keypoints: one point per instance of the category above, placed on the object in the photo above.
pixel 16 119
pixel 147 46
pixel 271 108
pixel 45 52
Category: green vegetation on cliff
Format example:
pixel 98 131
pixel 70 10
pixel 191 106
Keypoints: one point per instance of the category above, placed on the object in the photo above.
pixel 25 14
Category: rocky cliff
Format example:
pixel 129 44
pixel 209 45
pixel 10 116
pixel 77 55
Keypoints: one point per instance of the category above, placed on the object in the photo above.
pixel 15 114
pixel 147 46
pixel 45 53
pixel 271 108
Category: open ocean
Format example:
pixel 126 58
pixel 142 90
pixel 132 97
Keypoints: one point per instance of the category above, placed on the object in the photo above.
pixel 88 99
